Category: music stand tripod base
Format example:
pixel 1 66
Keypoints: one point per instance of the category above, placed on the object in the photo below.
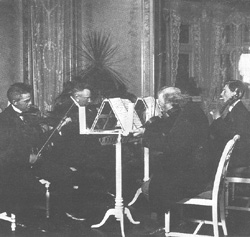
pixel 119 210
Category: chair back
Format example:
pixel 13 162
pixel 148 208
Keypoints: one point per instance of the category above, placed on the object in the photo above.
pixel 222 167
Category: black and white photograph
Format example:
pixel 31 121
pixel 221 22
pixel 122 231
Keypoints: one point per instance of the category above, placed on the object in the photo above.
pixel 124 118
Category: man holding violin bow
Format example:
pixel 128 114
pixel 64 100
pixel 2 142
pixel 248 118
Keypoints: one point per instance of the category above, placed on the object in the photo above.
pixel 21 169
pixel 17 138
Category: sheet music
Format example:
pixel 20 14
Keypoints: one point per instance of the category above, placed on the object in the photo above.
pixel 136 121
pixel 120 110
pixel 152 106
pixel 147 107
pixel 119 107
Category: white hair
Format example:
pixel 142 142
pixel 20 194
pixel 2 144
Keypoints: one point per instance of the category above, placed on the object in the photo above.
pixel 173 95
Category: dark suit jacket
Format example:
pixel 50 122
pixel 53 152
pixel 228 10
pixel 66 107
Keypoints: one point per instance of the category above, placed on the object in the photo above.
pixel 222 130
pixel 183 166
pixel 17 137
pixel 73 148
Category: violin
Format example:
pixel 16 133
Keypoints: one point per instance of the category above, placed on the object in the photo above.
pixel 157 119
pixel 222 112
pixel 152 120
pixel 175 109
pixel 36 156
pixel 33 115
pixel 228 103
pixel 56 115
pixel 33 111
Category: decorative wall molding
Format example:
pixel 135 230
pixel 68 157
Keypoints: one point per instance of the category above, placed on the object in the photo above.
pixel 196 39
pixel 175 22
pixel 237 18
pixel 147 48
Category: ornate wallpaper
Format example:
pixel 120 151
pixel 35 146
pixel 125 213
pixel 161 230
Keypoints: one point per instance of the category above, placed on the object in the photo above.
pixel 50 35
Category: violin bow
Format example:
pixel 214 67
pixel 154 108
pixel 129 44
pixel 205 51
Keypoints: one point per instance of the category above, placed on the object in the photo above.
pixel 58 127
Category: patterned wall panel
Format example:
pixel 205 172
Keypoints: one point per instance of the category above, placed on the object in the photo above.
pixel 50 35
pixel 10 48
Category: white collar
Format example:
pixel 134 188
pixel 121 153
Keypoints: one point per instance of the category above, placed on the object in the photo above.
pixel 16 109
pixel 231 106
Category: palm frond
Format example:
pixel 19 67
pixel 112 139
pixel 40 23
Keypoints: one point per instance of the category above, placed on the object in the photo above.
pixel 98 56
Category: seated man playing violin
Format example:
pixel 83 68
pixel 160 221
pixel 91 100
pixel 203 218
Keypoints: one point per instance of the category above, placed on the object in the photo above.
pixel 82 153
pixel 71 148
pixel 17 138
pixel 233 118
pixel 20 135
pixel 180 137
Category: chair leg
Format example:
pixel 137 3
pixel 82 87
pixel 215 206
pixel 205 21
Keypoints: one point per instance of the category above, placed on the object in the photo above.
pixel 13 222
pixel 10 218
pixel 47 199
pixel 215 219
pixel 233 191
pixel 167 222
pixel 47 195
pixel 222 213
pixel 226 197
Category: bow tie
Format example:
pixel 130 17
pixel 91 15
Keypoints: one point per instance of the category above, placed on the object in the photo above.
pixel 20 115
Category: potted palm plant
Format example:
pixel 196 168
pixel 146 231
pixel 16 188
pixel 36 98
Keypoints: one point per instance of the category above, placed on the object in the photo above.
pixel 98 59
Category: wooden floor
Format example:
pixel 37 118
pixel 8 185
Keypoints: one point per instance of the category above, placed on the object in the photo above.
pixel 34 224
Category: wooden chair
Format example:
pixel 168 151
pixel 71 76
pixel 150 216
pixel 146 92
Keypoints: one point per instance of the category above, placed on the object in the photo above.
pixel 232 199
pixel 212 198
pixel 11 217
pixel 46 183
